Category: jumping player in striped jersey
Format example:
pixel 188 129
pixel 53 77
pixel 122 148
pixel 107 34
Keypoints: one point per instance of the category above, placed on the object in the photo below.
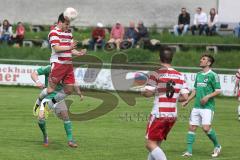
pixel 237 90
pixel 63 47
pixel 168 86
pixel 206 87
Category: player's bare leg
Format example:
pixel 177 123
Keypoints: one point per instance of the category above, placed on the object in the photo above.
pixel 155 152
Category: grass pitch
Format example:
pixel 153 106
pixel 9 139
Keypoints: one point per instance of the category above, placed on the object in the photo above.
pixel 117 135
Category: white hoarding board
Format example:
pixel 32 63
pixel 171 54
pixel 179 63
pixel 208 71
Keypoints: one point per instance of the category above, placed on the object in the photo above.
pixel 105 79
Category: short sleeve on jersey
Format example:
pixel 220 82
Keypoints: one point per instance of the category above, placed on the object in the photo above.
pixel 44 70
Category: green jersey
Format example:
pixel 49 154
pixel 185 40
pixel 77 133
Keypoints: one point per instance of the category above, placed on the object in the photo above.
pixel 206 83
pixel 46 71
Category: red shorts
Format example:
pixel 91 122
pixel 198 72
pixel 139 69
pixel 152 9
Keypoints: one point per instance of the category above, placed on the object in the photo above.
pixel 158 128
pixel 62 72
pixel 238 93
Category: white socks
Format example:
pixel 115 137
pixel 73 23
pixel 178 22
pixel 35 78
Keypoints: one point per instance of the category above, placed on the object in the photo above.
pixel 158 154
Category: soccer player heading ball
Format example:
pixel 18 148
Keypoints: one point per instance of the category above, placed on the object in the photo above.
pixel 63 47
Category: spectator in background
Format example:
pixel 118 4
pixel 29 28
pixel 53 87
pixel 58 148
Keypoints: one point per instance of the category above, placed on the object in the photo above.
pixel 116 35
pixel 212 20
pixel 131 34
pixel 98 36
pixel 6 31
pixel 143 35
pixel 183 23
pixel 237 31
pixel 199 22
pixel 19 36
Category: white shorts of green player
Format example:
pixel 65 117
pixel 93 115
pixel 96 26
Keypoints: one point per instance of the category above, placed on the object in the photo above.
pixel 201 118
pixel 60 110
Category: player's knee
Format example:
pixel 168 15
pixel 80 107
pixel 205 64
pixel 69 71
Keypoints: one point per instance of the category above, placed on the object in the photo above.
pixel 192 128
pixel 206 129
pixel 41 118
pixel 63 115
pixel 68 91
pixel 150 145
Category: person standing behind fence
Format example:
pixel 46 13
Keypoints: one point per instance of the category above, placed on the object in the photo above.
pixel 212 20
pixel 199 22
pixel 183 23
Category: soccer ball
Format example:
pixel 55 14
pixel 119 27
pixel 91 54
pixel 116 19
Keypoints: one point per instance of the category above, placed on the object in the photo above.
pixel 70 13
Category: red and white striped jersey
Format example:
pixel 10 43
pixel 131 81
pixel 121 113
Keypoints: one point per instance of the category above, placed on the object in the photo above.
pixel 60 38
pixel 168 84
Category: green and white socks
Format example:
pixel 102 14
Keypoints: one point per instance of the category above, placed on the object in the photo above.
pixel 212 136
pixel 68 129
pixel 42 126
pixel 190 141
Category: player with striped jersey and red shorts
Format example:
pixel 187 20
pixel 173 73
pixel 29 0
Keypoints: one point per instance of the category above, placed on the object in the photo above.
pixel 63 47
pixel 168 86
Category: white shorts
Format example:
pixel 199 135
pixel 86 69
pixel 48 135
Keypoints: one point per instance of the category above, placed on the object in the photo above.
pixel 60 106
pixel 200 117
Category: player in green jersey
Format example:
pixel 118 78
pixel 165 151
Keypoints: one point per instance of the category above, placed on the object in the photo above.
pixel 206 87
pixel 60 110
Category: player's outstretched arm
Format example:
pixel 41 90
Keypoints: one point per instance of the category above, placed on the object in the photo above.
pixel 34 76
pixel 192 95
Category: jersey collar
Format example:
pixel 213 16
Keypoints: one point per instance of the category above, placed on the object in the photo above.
pixel 205 73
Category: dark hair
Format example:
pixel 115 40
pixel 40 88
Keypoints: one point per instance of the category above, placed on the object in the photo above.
pixel 210 58
pixel 61 18
pixel 166 55
pixel 200 8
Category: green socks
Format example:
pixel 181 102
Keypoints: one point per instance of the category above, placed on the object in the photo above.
pixel 68 129
pixel 212 136
pixel 42 126
pixel 190 141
